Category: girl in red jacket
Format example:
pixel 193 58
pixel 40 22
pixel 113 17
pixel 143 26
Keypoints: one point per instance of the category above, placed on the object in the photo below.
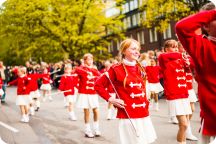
pixel 46 87
pixel 23 91
pixel 34 92
pixel 67 83
pixel 88 98
pixel 112 111
pixel 128 81
pixel 192 95
pixel 155 87
pixel 202 49
pixel 175 87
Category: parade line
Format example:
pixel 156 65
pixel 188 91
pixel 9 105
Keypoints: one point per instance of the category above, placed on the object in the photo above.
pixel 9 127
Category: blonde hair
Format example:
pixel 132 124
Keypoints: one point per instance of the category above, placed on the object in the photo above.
pixel 123 46
pixel 22 69
pixel 169 43
pixel 87 55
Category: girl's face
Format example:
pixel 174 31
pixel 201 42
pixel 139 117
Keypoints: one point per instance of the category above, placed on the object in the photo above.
pixel 68 70
pixel 153 63
pixel 172 48
pixel 132 53
pixel 89 61
pixel 20 72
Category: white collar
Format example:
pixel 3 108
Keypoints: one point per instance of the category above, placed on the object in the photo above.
pixel 126 62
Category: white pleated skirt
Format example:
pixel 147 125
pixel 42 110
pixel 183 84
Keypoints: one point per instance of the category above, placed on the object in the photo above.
pixel 87 101
pixel 179 107
pixel 35 94
pixel 1 92
pixel 155 87
pixel 70 99
pixel 145 131
pixel 148 93
pixel 23 100
pixel 192 95
pixel 46 87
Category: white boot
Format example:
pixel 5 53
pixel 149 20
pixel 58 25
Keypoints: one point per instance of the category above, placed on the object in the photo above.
pixel 50 98
pixel 32 111
pixel 65 103
pixel 156 106
pixel 37 103
pixel 88 132
pixel 96 129
pixel 109 114
pixel 189 135
pixel 26 118
pixel 23 118
pixel 114 115
pixel 44 98
pixel 151 103
pixel 173 120
pixel 72 116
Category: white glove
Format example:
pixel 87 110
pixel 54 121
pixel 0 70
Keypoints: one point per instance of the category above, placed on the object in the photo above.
pixel 117 102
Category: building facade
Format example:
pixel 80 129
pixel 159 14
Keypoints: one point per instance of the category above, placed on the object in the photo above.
pixel 149 39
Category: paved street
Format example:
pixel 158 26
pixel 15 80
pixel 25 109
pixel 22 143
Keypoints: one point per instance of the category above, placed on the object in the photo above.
pixel 51 124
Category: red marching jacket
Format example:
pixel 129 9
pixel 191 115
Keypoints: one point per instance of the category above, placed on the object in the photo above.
pixel 1 83
pixel 33 83
pixel 153 74
pixel 173 68
pixel 22 85
pixel 189 74
pixel 67 83
pixel 133 94
pixel 46 79
pixel 87 77
pixel 203 52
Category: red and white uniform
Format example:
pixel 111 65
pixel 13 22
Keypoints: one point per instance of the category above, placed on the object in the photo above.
pixel 134 96
pixel 88 98
pixel 153 73
pixel 23 90
pixel 202 50
pixel 67 84
pixel 175 87
pixel 46 80
pixel 1 91
pixel 33 85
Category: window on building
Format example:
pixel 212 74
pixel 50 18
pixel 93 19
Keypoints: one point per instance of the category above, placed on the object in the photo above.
pixel 140 37
pixel 167 34
pixel 143 15
pixel 128 22
pixel 131 5
pixel 126 7
pixel 134 20
pixel 118 44
pixel 125 23
pixel 153 35
pixel 135 4
pixel 138 18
